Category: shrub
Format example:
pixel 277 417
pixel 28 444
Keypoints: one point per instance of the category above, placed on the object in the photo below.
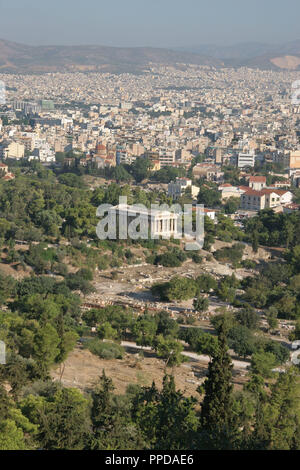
pixel 169 260
pixel 150 259
pixel 179 288
pixel 103 264
pixel 77 282
pixel 280 352
pixel 242 341
pixel 105 350
pixel 199 341
pixel 129 254
pixel 201 304
pixel 247 316
pixel 232 254
pixel 86 274
pixel 115 263
pixel 248 264
pixel 206 283
pixel 197 258
pixel 61 268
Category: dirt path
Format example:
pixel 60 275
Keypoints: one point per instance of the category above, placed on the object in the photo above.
pixel 240 365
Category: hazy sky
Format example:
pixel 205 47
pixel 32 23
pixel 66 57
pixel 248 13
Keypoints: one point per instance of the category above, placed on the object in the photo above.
pixel 159 23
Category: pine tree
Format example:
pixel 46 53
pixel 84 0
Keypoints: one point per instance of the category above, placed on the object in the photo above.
pixel 5 403
pixel 111 419
pixel 166 418
pixel 277 423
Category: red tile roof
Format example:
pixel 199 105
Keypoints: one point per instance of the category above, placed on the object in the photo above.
pixel 9 177
pixel 257 179
pixel 265 191
pixel 253 192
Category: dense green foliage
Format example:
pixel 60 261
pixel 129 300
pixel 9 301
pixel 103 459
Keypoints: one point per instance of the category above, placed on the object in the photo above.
pixel 47 235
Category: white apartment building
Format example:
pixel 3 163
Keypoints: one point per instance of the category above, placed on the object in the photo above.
pixel 13 150
pixel 167 157
pixel 227 191
pixel 265 199
pixel 43 151
pixel 177 188
pixel 246 159
pixel 257 182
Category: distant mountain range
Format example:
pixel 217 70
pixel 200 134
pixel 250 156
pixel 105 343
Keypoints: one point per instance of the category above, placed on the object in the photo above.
pixel 15 57
pixel 22 58
pixel 253 54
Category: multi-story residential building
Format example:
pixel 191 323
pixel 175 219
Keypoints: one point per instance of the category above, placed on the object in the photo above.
pixel 13 150
pixel 167 157
pixel 121 155
pixel 177 188
pixel 265 199
pixel 294 162
pixel 208 171
pixel 227 191
pixel 43 151
pixel 246 159
pixel 257 182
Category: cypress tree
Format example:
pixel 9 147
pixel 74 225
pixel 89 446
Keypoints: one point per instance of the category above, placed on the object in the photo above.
pixel 255 241
pixel 216 411
pixel 101 406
